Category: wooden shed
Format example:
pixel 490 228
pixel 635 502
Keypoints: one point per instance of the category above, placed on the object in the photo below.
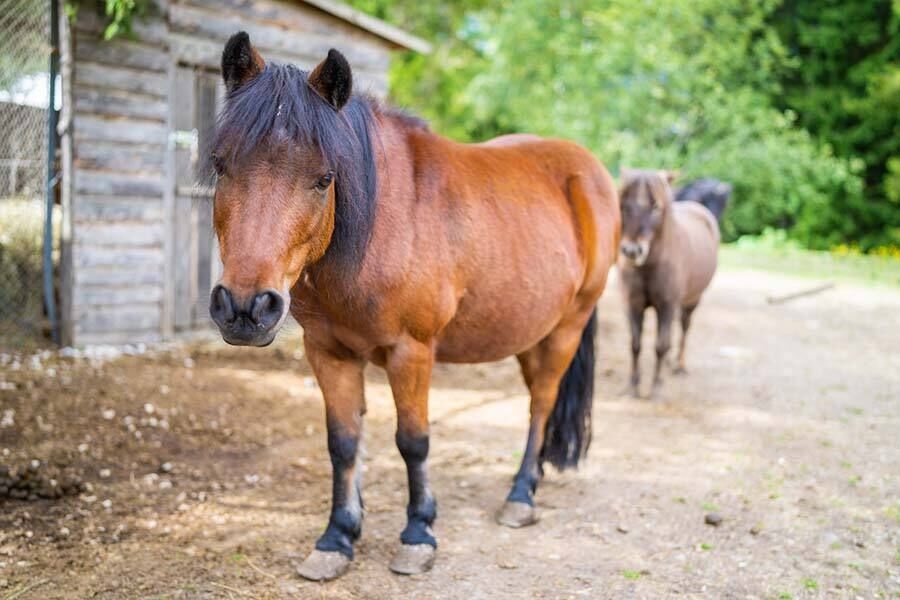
pixel 138 254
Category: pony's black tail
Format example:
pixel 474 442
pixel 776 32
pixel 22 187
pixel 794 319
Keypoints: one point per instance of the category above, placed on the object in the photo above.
pixel 568 431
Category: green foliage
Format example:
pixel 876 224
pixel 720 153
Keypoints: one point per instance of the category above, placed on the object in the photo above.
pixel 846 91
pixel 692 84
pixel 120 14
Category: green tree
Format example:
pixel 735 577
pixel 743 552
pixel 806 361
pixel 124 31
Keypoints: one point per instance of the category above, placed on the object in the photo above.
pixel 846 91
pixel 683 84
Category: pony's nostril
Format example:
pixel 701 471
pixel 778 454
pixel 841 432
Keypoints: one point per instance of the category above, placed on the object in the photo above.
pixel 221 306
pixel 266 309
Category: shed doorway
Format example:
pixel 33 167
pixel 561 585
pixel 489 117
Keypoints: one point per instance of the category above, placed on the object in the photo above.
pixel 198 95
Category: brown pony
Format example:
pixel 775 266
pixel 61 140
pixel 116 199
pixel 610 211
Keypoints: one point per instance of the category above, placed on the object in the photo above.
pixel 392 245
pixel 669 252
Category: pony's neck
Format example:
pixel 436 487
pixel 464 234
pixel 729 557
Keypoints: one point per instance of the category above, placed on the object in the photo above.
pixel 333 275
pixel 664 233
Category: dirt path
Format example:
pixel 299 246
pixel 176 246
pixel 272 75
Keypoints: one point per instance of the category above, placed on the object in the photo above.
pixel 214 467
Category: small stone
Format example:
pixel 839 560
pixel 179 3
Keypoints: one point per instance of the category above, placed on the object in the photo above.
pixel 107 504
pixel 622 528
pixel 108 414
pixel 105 473
pixel 166 467
pixel 713 519
pixel 755 530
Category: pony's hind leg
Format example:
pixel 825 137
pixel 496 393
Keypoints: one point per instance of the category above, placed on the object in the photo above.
pixel 409 367
pixel 341 380
pixel 547 368
pixel 686 313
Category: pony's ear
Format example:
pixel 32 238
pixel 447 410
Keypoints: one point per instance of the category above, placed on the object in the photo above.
pixel 332 79
pixel 240 61
pixel 671 176
pixel 625 177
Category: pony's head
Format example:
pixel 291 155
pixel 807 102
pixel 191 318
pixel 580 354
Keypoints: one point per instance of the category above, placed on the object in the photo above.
pixel 295 179
pixel 645 197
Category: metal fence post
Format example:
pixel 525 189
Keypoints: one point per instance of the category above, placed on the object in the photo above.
pixel 52 118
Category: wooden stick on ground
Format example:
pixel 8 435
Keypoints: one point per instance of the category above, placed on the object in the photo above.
pixel 807 292
pixel 27 588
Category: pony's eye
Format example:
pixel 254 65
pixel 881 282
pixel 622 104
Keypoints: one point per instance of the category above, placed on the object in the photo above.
pixel 218 165
pixel 324 181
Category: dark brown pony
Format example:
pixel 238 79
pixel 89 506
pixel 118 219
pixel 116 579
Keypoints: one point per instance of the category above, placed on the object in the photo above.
pixel 392 245
pixel 669 253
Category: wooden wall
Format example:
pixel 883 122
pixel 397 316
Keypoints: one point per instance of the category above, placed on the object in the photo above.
pixel 120 176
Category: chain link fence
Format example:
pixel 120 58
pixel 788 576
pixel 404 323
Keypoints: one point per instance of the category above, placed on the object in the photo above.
pixel 24 98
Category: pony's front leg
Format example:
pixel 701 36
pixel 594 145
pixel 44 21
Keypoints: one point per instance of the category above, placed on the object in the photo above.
pixel 341 379
pixel 409 367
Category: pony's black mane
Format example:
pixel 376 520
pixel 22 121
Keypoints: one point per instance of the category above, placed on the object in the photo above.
pixel 278 106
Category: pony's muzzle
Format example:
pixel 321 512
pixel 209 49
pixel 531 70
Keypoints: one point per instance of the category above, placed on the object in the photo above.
pixel 635 251
pixel 631 250
pixel 253 322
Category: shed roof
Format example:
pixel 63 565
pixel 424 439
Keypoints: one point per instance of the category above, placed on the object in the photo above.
pixel 378 27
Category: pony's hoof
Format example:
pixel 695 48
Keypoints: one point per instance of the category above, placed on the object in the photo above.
pixel 322 566
pixel 517 514
pixel 412 559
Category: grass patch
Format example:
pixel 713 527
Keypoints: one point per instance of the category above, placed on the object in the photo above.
pixel 810 584
pixel 893 511
pixel 706 547
pixel 709 507
pixel 772 253
pixel 631 574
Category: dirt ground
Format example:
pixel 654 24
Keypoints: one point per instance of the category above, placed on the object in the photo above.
pixel 207 474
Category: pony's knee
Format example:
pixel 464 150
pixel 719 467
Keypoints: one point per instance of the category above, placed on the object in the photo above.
pixel 342 448
pixel 413 448
pixel 663 345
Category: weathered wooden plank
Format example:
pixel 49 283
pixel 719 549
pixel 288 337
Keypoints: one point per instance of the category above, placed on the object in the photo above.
pixel 120 78
pixel 120 336
pixel 325 17
pixel 120 235
pixel 137 259
pixel 110 183
pixel 108 295
pixel 183 113
pixel 204 233
pixel 183 265
pixel 168 285
pixel 220 25
pixel 121 157
pixel 111 209
pixel 207 53
pixel 380 28
pixel 117 103
pixel 122 53
pixel 151 29
pixel 131 317
pixel 90 128
pixel 117 276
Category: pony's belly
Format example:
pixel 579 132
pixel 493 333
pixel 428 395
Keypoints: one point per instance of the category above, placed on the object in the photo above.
pixel 489 332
